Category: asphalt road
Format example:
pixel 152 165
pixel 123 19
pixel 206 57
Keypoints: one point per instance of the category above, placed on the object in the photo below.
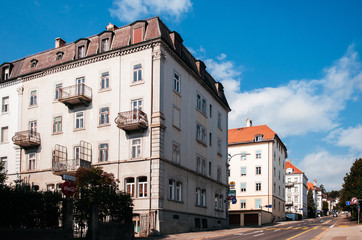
pixel 301 230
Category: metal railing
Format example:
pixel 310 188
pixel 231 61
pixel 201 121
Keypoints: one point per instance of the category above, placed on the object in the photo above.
pixel 74 91
pixel 26 138
pixel 68 165
pixel 289 184
pixel 132 117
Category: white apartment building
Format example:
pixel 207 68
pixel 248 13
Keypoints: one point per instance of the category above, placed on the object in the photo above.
pixel 296 190
pixel 134 101
pixel 257 158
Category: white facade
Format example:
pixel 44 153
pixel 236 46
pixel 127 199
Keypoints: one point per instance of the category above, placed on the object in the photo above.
pixel 257 169
pixel 9 124
pixel 179 152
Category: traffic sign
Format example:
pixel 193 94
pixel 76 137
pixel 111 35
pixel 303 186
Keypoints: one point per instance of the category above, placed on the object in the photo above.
pixel 68 177
pixel 354 200
pixel 348 203
pixel 233 200
pixel 68 189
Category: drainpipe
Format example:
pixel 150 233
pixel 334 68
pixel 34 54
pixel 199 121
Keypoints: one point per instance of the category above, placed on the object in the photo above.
pixel 150 139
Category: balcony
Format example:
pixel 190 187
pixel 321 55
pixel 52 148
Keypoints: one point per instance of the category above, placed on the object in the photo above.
pixel 289 184
pixel 132 120
pixel 26 139
pixel 287 204
pixel 76 94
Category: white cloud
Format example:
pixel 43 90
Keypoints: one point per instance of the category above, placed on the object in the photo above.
pixel 328 169
pixel 350 137
pixel 297 108
pixel 131 10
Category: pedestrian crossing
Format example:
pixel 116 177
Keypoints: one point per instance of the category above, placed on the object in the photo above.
pixel 299 228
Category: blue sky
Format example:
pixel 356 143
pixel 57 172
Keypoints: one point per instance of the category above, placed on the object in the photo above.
pixel 293 65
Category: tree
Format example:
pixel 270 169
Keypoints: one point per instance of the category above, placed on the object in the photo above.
pixel 325 207
pixel 322 188
pixel 333 194
pixel 352 186
pixel 2 173
pixel 310 204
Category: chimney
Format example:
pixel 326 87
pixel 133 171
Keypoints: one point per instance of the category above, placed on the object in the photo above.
pixel 59 42
pixel 111 27
pixel 249 123
pixel 315 182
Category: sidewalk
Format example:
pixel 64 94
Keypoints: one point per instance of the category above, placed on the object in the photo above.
pixel 214 233
pixel 344 229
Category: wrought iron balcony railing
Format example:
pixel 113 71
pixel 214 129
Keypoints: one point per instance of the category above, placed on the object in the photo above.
pixel 68 166
pixel 27 138
pixel 289 184
pixel 289 204
pixel 76 94
pixel 132 120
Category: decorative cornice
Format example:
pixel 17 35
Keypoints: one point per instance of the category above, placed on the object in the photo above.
pixel 10 83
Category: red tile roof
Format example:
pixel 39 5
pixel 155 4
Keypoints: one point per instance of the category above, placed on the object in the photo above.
pixel 310 186
pixel 247 134
pixel 288 164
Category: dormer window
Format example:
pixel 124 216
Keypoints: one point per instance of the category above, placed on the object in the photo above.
pixel 258 138
pixel 81 51
pixel 290 170
pixel 34 62
pixel 59 55
pixel 6 73
pixel 105 45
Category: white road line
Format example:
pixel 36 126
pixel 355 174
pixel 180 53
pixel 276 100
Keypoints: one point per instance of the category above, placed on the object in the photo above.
pixel 277 230
pixel 331 226
pixel 258 235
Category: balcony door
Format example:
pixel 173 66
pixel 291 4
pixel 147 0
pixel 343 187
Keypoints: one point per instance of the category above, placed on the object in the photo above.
pixel 77 155
pixel 80 85
pixel 32 127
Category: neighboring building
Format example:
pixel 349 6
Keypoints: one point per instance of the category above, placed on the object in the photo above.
pixel 317 195
pixel 296 190
pixel 134 101
pixel 257 158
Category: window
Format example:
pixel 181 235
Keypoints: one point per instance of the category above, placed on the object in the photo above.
pixel 176 117
pixel 105 45
pixel 31 161
pixel 295 198
pixel 6 73
pixel 201 134
pixel 289 199
pixel 104 83
pixel 257 203
pixel 33 63
pixel 79 120
pixel 258 138
pixel 176 153
pixel 198 164
pixel 136 148
pixel 296 189
pixel 5 105
pixel 81 52
pixel 33 99
pixel 203 167
pixel 130 186
pixel 219 120
pixel 258 186
pixel 4 134
pixel 219 144
pixel 220 202
pixel 243 171
pixel 3 161
pixel 210 111
pixel 137 104
pixel 203 197
pixel 179 191
pixel 176 83
pixel 198 196
pixel 104 116
pixel 142 187
pixel 242 203
pixel 32 126
pixel 103 152
pixel 59 56
pixel 171 189
pixel 58 93
pixel 201 103
pixel 210 168
pixel 218 176
pixel 258 154
pixel 80 85
pixel 137 73
pixel 243 155
pixel 216 201
pixel 243 187
pixel 57 124
pixel 210 139
pixel 257 170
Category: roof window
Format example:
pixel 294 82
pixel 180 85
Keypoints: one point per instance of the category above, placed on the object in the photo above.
pixel 258 138
pixel 34 62
pixel 59 55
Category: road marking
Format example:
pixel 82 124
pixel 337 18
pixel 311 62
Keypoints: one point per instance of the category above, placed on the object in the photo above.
pixel 323 228
pixel 277 230
pixel 331 226
pixel 298 234
pixel 258 234
pixel 343 226
pixel 305 228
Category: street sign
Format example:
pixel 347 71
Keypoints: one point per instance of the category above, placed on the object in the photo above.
pixel 348 203
pixel 232 184
pixel 354 200
pixel 68 177
pixel 233 200
pixel 68 189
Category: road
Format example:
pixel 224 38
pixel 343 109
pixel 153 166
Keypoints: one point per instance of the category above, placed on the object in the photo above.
pixel 301 230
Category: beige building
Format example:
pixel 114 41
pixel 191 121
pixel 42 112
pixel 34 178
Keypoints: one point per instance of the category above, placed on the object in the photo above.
pixel 257 158
pixel 136 102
